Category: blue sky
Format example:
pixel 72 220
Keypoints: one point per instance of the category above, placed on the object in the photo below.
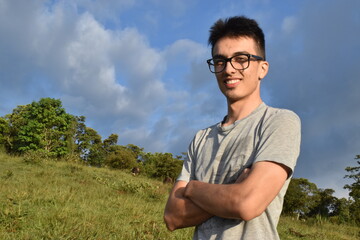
pixel 137 68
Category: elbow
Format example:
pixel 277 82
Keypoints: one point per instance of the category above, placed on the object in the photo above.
pixel 249 215
pixel 247 210
pixel 170 222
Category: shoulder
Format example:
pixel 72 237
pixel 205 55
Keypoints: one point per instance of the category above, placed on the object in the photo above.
pixel 281 116
pixel 203 135
pixel 283 121
pixel 206 131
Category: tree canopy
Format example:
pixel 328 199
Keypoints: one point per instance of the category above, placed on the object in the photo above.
pixel 354 188
pixel 39 126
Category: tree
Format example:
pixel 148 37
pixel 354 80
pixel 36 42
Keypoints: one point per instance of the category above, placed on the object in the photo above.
pixel 121 158
pixel 138 151
pixel 90 146
pixel 354 188
pixel 354 173
pixel 40 126
pixel 299 198
pixel 342 210
pixel 324 203
pixel 79 132
pixel 162 165
pixel 5 139
pixel 110 142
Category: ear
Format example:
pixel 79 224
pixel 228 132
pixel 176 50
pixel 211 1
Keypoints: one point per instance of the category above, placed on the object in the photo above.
pixel 263 69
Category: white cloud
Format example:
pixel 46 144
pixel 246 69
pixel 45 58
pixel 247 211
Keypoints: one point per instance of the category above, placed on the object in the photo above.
pixel 110 74
pixel 115 71
pixel 90 72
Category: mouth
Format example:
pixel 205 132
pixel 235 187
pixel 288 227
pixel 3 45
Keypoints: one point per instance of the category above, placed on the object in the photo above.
pixel 230 83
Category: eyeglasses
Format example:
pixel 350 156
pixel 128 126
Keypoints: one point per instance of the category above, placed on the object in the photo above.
pixel 238 62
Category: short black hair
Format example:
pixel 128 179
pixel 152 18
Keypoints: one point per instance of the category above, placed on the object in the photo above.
pixel 238 26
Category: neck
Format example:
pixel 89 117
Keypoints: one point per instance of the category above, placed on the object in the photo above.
pixel 240 109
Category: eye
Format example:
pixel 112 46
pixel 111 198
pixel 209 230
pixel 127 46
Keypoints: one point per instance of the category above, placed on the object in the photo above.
pixel 219 62
pixel 240 59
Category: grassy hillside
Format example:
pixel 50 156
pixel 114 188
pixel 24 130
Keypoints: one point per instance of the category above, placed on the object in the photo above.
pixel 61 200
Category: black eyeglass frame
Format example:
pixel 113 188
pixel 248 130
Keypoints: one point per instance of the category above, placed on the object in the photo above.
pixel 226 60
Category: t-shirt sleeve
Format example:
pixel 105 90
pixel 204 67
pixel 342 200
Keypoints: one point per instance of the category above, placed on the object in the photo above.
pixel 187 172
pixel 280 139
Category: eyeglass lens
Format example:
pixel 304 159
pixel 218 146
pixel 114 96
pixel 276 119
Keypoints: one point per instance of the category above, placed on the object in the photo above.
pixel 238 62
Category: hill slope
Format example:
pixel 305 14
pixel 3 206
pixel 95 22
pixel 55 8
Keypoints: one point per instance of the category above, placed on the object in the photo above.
pixel 62 200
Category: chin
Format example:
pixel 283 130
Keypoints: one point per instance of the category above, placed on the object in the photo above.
pixel 232 99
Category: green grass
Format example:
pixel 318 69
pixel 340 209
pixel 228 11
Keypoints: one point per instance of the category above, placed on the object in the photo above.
pixel 315 229
pixel 64 200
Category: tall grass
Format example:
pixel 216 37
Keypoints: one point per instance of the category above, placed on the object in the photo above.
pixel 315 229
pixel 59 200
pixel 62 200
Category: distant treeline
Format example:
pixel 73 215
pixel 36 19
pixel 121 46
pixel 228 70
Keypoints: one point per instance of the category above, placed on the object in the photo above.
pixel 45 130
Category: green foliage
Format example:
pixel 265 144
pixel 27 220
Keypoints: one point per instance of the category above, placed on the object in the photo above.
pixel 38 126
pixel 138 151
pixel 133 186
pixel 299 197
pixel 324 203
pixel 342 211
pixel 35 157
pixel 121 158
pixel 110 141
pixel 5 142
pixel 354 188
pixel 43 130
pixel 304 199
pixel 90 146
pixel 354 174
pixel 161 165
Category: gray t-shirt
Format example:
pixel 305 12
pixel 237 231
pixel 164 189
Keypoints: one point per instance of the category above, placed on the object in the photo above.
pixel 219 155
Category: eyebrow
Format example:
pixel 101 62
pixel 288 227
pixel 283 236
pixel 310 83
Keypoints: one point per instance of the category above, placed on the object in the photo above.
pixel 234 54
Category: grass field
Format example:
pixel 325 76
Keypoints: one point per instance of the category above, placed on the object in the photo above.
pixel 62 200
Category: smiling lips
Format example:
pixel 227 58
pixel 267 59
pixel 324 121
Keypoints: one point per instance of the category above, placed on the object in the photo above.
pixel 231 83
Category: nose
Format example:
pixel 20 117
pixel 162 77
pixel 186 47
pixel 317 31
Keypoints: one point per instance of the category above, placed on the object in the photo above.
pixel 229 67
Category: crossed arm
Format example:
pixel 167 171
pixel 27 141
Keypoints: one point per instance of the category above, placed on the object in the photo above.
pixel 192 203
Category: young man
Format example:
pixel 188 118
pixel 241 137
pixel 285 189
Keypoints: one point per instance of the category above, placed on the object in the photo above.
pixel 234 179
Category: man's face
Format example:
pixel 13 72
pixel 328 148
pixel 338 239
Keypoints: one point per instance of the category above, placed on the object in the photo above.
pixel 239 85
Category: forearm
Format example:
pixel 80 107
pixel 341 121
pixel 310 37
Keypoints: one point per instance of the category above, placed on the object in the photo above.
pixel 211 196
pixel 245 199
pixel 218 199
pixel 181 212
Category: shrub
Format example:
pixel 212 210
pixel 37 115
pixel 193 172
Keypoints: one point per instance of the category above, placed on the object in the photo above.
pixel 121 158
pixel 35 157
pixel 162 165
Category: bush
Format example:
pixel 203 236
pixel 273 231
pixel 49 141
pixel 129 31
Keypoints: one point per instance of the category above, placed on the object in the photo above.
pixel 35 157
pixel 121 158
pixel 162 165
